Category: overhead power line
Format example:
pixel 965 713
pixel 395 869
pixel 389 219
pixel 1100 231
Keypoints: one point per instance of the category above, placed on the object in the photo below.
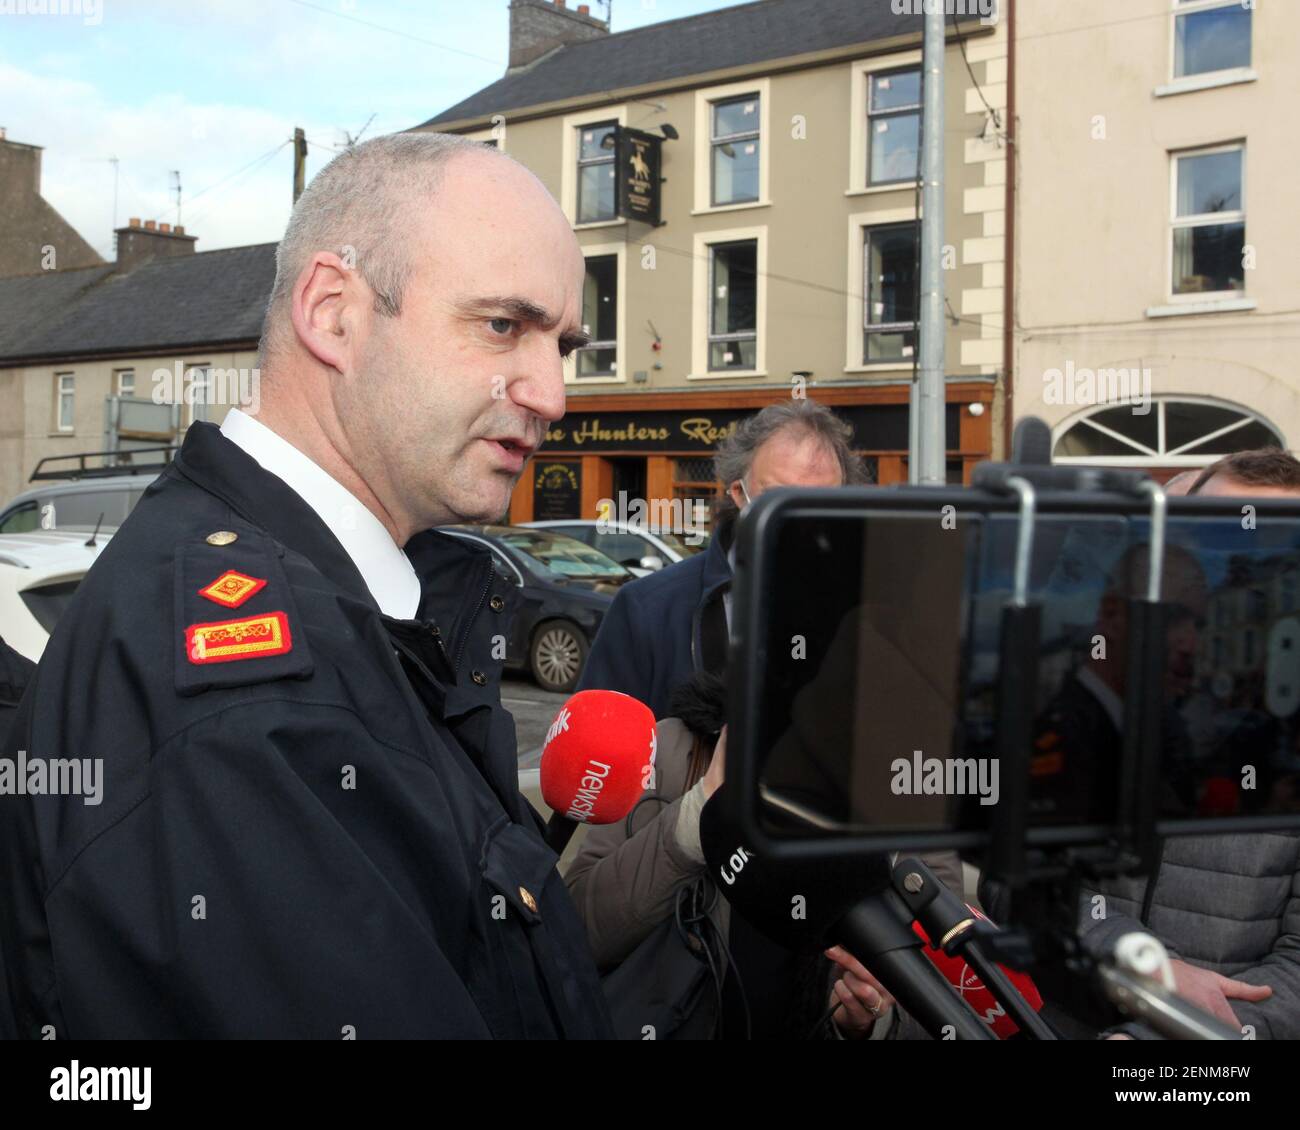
pixel 497 62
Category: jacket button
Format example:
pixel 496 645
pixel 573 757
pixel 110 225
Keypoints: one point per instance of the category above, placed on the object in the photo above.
pixel 529 901
pixel 496 604
pixel 479 678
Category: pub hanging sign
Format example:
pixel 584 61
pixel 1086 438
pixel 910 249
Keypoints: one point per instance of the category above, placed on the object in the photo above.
pixel 557 491
pixel 639 158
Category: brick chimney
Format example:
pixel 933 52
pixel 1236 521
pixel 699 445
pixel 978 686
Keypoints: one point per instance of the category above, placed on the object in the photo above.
pixel 537 27
pixel 29 224
pixel 138 243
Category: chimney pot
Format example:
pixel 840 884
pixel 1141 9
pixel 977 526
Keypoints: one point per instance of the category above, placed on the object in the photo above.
pixel 134 222
pixel 151 225
pixel 178 230
pixel 165 228
pixel 538 27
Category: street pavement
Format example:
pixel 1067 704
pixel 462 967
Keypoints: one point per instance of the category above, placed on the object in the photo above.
pixel 534 710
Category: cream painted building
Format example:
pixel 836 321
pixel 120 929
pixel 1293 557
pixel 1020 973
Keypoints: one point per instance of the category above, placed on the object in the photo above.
pixel 127 354
pixel 786 254
pixel 1156 227
pixel 785 260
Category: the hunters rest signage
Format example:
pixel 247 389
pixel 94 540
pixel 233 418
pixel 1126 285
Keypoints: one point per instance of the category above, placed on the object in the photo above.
pixel 639 159
pixel 880 427
pixel 650 431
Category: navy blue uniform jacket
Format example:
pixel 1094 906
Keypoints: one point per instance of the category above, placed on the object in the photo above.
pixel 653 636
pixel 310 823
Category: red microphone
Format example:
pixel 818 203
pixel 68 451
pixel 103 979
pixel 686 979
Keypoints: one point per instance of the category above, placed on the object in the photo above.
pixel 1219 797
pixel 974 992
pixel 597 760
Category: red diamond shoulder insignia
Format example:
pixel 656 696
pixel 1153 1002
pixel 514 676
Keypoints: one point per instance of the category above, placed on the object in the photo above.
pixel 231 589
pixel 228 640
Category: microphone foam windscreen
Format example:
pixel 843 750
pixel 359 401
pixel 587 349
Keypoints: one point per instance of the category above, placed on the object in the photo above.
pixel 598 757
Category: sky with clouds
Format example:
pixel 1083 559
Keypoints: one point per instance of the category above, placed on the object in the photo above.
pixel 214 88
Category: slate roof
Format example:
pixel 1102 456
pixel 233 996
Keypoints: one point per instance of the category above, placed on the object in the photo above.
pixel 29 301
pixel 675 49
pixel 211 298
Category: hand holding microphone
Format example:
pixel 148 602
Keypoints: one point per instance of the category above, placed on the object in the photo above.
pixel 847 901
pixel 716 773
pixel 863 1000
pixel 597 761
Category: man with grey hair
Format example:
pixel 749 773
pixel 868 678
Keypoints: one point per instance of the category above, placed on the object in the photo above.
pixel 666 627
pixel 311 824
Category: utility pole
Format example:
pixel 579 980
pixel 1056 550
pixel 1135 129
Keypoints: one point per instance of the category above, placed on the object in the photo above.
pixel 177 174
pixel 299 163
pixel 929 450
pixel 115 163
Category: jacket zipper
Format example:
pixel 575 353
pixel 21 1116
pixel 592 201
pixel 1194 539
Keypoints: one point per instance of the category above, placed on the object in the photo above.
pixel 1148 896
pixel 464 639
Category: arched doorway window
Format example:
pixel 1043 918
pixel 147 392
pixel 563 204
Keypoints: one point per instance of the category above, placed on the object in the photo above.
pixel 1178 431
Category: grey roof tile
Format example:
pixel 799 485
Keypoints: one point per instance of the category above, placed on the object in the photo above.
pixel 207 299
pixel 674 49
pixel 29 302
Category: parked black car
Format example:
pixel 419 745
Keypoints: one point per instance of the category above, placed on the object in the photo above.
pixel 567 587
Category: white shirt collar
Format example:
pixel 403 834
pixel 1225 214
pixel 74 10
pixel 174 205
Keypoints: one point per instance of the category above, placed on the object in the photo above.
pixel 386 570
pixel 726 596
pixel 1111 703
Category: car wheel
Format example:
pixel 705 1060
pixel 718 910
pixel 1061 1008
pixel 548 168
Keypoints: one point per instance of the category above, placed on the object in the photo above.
pixel 557 655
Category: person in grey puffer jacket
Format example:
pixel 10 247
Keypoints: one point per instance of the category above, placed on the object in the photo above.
pixel 1228 910
pixel 1227 907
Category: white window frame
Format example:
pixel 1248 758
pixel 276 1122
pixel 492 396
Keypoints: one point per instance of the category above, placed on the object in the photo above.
pixel 761 88
pixel 702 301
pixel 1160 457
pixel 593 251
pixel 1204 80
pixel 68 389
pixel 859 222
pixel 882 327
pixel 1204 219
pixel 570 124
pixel 205 367
pixel 120 377
pixel 861 71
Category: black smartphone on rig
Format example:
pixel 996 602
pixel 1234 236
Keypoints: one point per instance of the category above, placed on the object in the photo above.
pixel 865 669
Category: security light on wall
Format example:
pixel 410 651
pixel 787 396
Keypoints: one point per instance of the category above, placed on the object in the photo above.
pixel 669 132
